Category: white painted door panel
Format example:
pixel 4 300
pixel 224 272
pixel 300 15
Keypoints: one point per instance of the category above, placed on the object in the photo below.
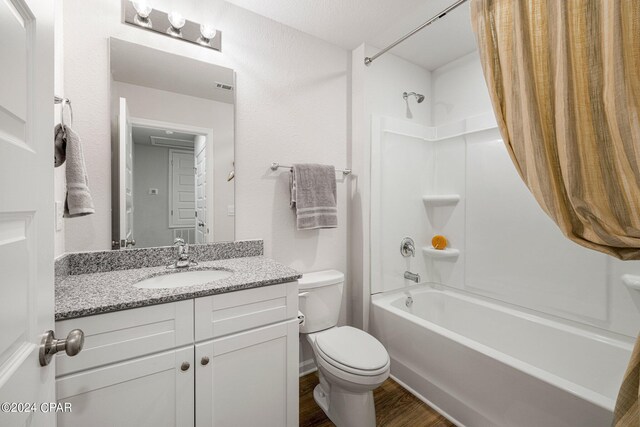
pixel 202 226
pixel 125 174
pixel 150 391
pixel 251 379
pixel 26 205
pixel 182 187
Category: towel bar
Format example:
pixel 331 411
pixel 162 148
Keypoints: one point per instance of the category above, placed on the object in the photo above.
pixel 275 166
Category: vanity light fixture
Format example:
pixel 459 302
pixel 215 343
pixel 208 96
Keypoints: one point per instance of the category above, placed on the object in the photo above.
pixel 143 10
pixel 141 14
pixel 177 21
pixel 207 33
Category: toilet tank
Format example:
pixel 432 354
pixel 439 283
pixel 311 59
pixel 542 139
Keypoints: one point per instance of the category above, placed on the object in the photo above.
pixel 319 298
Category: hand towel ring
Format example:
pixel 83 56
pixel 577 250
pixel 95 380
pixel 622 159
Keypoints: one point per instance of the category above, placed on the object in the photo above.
pixel 63 102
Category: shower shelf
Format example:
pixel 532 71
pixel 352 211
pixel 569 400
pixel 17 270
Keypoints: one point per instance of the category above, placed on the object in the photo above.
pixel 631 281
pixel 441 200
pixel 447 253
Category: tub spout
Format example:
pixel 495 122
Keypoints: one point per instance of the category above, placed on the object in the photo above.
pixel 415 277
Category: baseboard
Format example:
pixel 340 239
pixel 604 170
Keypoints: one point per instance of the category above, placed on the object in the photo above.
pixel 306 367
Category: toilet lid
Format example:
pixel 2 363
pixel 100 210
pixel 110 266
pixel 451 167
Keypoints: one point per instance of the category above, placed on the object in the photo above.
pixel 352 348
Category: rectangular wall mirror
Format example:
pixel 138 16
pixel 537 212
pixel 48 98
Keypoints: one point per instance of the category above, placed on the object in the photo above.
pixel 173 148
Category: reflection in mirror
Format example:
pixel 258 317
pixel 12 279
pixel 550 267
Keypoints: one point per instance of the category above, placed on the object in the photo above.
pixel 173 148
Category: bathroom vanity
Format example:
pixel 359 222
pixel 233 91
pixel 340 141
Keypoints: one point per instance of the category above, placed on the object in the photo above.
pixel 221 353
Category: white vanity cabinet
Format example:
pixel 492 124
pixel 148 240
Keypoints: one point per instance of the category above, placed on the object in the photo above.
pixel 246 372
pixel 224 360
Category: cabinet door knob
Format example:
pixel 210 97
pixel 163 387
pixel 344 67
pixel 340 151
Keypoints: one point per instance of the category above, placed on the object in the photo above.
pixel 185 366
pixel 205 361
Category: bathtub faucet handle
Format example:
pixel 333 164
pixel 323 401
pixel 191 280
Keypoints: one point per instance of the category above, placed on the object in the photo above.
pixel 407 247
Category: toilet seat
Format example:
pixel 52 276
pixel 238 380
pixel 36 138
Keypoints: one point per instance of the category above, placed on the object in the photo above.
pixel 352 351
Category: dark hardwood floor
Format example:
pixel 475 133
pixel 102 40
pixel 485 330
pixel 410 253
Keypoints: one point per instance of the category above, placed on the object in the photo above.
pixel 395 407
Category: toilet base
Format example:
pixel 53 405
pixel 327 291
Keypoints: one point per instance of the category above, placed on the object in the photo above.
pixel 343 407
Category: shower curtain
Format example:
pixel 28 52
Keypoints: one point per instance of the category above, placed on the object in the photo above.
pixel 564 80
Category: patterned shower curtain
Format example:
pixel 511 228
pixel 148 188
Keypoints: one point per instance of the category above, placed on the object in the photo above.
pixel 564 80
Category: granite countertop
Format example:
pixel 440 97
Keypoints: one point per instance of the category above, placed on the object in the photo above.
pixel 103 292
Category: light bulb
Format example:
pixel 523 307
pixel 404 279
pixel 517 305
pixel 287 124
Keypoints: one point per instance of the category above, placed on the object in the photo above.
pixel 143 8
pixel 177 20
pixel 207 31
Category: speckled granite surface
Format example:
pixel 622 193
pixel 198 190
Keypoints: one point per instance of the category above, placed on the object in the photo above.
pixel 61 267
pixel 103 261
pixel 87 294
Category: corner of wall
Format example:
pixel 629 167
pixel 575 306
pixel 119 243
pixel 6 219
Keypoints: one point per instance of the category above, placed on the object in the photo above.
pixel 358 165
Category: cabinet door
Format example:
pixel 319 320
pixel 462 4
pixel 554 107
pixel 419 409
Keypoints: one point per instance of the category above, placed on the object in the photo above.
pixel 251 378
pixel 149 391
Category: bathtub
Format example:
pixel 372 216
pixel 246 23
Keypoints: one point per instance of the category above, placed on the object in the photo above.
pixel 481 363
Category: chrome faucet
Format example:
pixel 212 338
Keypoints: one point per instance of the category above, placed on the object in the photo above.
pixel 182 259
pixel 407 247
pixel 415 277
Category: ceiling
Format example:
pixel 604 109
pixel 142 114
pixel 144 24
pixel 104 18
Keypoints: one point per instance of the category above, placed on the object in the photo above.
pixel 350 23
pixel 143 135
pixel 143 66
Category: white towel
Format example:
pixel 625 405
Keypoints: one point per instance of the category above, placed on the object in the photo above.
pixel 313 195
pixel 78 201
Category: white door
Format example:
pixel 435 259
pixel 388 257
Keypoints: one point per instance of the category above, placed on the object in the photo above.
pixel 125 191
pixel 182 187
pixel 26 206
pixel 202 227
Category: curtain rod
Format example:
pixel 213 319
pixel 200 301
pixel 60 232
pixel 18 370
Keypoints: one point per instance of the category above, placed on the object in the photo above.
pixel 368 60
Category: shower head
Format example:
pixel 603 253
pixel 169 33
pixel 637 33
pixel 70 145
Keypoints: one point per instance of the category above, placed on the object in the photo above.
pixel 419 97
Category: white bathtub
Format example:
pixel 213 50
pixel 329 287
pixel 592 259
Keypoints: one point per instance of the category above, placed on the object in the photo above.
pixel 484 364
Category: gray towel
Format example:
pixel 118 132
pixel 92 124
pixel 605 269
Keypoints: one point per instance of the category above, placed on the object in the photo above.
pixel 78 201
pixel 59 147
pixel 313 195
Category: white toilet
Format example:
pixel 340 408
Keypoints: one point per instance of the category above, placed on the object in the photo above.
pixel 351 363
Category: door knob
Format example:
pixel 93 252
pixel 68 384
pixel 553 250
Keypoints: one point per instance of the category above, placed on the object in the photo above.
pixel 185 366
pixel 205 361
pixel 49 345
pixel 126 243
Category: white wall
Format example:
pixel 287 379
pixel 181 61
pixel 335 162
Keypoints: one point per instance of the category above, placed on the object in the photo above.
pixel 459 91
pixel 291 107
pixel 376 91
pixel 509 249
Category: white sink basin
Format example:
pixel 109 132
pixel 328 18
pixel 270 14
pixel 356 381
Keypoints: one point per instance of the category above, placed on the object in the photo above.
pixel 180 279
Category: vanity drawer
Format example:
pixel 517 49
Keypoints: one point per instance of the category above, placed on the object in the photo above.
pixel 233 312
pixel 122 335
